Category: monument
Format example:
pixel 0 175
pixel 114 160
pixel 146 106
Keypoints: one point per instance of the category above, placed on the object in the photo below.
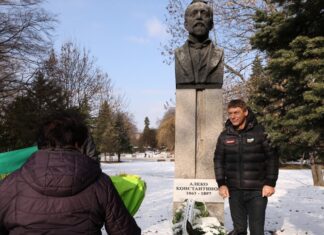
pixel 199 69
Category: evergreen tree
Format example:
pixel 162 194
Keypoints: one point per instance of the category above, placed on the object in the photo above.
pixel 85 110
pixel 121 138
pixel 104 131
pixel 148 137
pixel 131 129
pixel 254 85
pixel 145 137
pixel 290 97
pixel 23 116
pixel 293 18
pixel 152 138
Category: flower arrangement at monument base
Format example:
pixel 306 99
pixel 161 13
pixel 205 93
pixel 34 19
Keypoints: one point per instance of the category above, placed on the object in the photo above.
pixel 193 218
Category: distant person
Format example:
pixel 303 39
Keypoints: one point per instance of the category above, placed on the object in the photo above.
pixel 198 63
pixel 61 191
pixel 246 169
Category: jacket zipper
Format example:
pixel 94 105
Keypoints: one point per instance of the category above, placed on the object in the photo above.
pixel 240 159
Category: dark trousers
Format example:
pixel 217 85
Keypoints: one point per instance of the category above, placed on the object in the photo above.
pixel 248 206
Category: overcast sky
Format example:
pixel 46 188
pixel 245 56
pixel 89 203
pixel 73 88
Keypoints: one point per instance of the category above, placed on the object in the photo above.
pixel 125 37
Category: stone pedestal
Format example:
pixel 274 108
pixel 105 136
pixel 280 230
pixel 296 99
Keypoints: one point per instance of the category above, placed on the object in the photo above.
pixel 199 121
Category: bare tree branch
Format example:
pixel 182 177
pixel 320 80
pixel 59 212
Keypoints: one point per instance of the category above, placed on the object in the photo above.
pixel 84 83
pixel 25 33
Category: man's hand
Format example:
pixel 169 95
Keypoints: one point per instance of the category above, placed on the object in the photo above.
pixel 267 191
pixel 223 191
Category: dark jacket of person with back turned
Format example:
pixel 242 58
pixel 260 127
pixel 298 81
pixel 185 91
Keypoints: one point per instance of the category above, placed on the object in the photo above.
pixel 61 191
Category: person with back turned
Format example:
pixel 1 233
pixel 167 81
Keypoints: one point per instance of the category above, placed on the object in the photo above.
pixel 246 169
pixel 60 190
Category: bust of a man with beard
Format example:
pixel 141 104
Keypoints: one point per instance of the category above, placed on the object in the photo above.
pixel 198 63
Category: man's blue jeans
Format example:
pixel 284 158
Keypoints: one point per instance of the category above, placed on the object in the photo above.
pixel 247 205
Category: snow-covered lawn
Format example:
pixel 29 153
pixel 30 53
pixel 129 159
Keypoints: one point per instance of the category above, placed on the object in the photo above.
pixel 296 208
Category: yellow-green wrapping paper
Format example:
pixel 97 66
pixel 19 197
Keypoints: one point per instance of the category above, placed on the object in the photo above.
pixel 131 188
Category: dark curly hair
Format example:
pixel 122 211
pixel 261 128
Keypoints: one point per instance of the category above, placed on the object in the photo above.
pixel 62 129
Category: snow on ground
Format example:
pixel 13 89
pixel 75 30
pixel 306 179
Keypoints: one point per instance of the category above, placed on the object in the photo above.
pixel 296 208
pixel 155 213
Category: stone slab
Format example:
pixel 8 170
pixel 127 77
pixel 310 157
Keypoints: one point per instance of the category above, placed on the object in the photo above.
pixel 199 121
pixel 202 190
pixel 185 135
pixel 209 126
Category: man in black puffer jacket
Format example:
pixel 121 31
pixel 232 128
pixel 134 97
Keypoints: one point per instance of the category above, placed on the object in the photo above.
pixel 246 168
pixel 60 191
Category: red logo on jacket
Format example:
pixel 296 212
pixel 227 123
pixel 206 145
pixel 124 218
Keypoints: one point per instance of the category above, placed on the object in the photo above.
pixel 230 141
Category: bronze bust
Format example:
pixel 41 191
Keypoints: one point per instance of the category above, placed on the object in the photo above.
pixel 198 63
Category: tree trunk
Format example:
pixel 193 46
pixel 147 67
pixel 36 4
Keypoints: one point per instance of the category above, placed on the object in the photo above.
pixel 317 172
pixel 118 157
